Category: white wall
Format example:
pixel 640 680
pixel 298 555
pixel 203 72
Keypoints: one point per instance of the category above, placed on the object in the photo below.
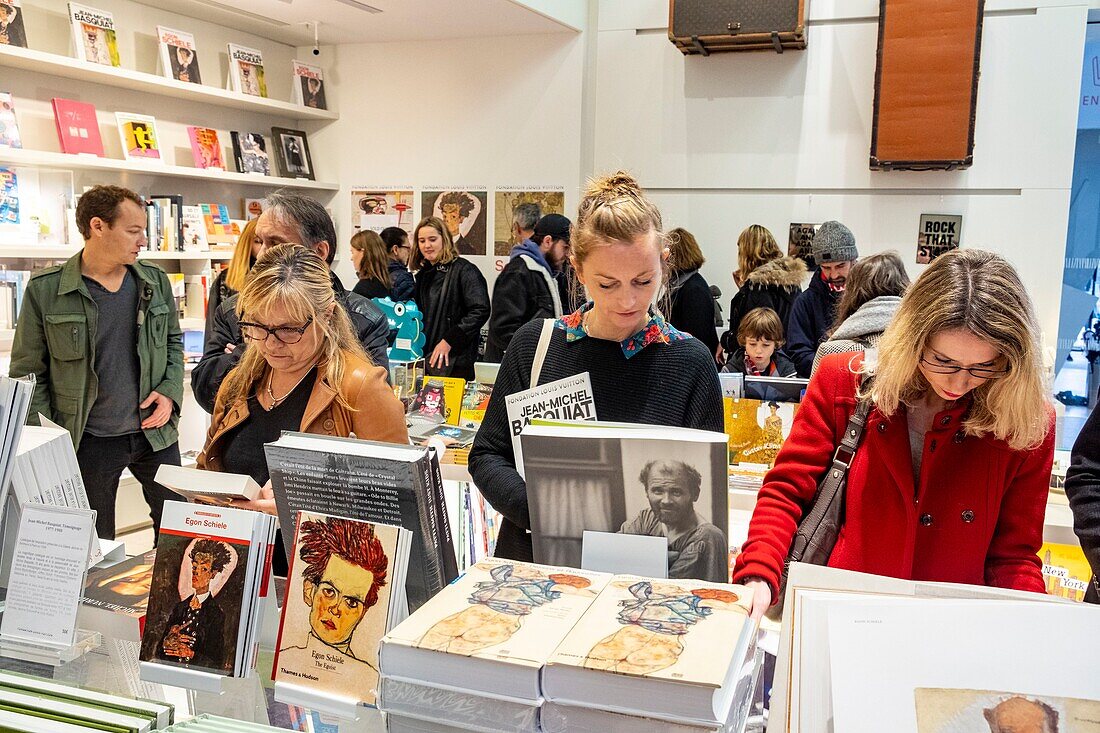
pixel 463 112
pixel 735 139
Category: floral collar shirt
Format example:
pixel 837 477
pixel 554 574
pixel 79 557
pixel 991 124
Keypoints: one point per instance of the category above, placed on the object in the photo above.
pixel 656 331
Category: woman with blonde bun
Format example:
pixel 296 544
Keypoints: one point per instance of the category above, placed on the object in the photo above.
pixel 642 369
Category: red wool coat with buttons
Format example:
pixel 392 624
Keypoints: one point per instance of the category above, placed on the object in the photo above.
pixel 976 516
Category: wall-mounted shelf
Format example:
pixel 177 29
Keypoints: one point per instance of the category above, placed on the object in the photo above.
pixel 192 255
pixel 33 251
pixel 56 65
pixel 48 159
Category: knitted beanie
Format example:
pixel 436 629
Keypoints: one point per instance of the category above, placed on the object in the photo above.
pixel 834 242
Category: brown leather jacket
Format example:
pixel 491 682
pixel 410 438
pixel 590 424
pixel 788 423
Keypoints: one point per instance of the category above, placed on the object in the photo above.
pixel 378 414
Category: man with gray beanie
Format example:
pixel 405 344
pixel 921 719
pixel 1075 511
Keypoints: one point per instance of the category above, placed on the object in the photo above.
pixel 834 248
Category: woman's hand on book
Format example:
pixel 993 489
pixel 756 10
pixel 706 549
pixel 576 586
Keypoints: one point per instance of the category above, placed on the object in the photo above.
pixel 265 502
pixel 761 597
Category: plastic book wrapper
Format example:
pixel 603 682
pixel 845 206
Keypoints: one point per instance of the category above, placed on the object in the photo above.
pixel 960 711
pixel 520 611
pixel 336 610
pixel 665 629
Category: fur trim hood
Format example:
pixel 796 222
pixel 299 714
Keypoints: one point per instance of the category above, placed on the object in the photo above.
pixel 785 272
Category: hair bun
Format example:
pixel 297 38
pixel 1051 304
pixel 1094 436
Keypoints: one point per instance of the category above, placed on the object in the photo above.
pixel 619 184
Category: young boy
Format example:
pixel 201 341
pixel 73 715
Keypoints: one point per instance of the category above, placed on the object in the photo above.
pixel 760 337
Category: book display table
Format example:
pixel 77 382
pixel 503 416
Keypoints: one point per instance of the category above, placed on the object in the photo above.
pixel 113 668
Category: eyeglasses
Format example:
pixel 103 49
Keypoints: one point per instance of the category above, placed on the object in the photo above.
pixel 979 372
pixel 288 335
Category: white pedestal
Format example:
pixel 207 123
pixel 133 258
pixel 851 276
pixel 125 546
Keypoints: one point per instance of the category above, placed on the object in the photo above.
pixel 85 642
pixel 192 679
pixel 341 707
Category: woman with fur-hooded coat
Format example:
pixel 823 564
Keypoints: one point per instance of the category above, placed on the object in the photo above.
pixel 774 285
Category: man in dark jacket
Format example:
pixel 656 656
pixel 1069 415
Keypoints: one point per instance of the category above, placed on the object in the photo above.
pixel 1083 491
pixel 527 288
pixel 287 217
pixel 834 248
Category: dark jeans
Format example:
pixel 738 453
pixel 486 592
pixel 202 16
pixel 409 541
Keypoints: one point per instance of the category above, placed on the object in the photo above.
pixel 102 461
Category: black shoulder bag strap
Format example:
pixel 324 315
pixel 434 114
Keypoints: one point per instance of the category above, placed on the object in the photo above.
pixel 817 533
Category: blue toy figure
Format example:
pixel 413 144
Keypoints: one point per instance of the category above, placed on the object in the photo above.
pixel 404 318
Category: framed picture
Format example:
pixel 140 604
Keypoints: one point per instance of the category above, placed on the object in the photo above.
pixel 292 153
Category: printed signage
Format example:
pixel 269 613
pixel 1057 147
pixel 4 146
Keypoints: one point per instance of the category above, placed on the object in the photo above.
pixel 938 233
pixel 801 239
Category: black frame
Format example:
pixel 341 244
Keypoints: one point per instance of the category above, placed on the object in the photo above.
pixel 277 135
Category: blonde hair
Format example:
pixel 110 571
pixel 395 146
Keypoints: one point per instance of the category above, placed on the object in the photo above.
pixel 297 279
pixel 761 323
pixel 450 253
pixel 755 246
pixel 684 252
pixel 240 264
pixel 376 257
pixel 982 293
pixel 614 209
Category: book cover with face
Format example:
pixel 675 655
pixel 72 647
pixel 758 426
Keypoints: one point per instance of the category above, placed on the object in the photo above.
pixel 629 481
pixel 503 610
pixel 196 595
pixel 980 711
pixel 682 630
pixel 337 606
pixel 12 32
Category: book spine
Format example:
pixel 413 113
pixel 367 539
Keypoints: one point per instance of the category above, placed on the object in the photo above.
pixel 432 571
pixel 446 540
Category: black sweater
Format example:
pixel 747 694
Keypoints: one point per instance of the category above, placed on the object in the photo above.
pixel 665 384
pixel 1083 489
pixel 693 311
pixel 455 317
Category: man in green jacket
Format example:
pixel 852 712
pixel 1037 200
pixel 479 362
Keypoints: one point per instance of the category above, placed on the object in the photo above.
pixel 101 336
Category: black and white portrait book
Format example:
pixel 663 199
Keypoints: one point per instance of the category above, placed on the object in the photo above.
pixel 634 479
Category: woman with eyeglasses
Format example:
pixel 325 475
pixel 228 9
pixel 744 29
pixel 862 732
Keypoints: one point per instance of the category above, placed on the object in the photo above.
pixel 381 261
pixel 950 480
pixel 304 370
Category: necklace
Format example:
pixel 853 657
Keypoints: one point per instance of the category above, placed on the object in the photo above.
pixel 276 400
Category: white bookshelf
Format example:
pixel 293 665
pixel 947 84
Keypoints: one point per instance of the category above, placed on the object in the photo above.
pixel 42 62
pixel 49 159
pixel 34 251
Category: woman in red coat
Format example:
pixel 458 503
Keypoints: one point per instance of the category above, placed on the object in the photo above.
pixel 951 478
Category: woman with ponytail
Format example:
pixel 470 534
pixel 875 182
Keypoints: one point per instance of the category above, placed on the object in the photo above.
pixel 642 369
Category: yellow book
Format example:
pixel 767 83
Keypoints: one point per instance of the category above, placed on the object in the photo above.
pixel 1066 571
pixel 453 388
pixel 756 429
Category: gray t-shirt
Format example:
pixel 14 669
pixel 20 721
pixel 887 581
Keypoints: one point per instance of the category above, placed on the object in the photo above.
pixel 115 411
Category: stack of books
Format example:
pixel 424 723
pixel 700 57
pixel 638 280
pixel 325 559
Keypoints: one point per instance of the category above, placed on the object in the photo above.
pixel 474 653
pixel 861 652
pixel 15 396
pixel 477 527
pixel 45 471
pixel 210 581
pixel 521 647
pixel 35 705
pixel 380 483
pixel 653 653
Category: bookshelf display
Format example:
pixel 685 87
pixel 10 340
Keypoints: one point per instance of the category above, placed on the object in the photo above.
pixel 28 59
pixel 49 180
